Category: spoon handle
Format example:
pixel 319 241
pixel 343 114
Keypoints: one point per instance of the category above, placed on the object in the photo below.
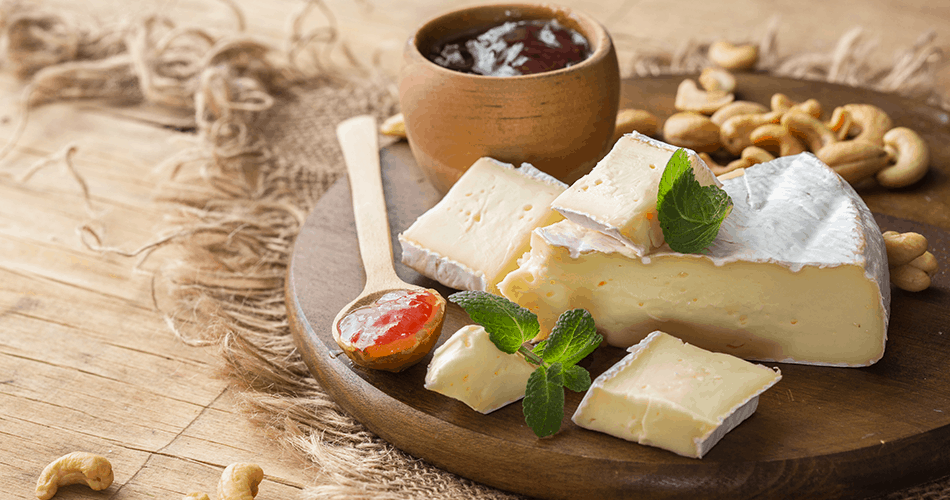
pixel 360 145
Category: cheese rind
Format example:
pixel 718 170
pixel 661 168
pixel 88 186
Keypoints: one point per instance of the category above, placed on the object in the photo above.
pixel 473 237
pixel 674 396
pixel 618 197
pixel 468 367
pixel 797 274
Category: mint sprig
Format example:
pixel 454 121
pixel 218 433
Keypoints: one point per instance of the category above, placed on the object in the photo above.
pixel 511 326
pixel 690 214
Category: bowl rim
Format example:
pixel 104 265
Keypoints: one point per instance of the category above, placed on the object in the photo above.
pixel 599 38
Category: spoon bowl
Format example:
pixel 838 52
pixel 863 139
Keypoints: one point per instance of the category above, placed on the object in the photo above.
pixel 359 141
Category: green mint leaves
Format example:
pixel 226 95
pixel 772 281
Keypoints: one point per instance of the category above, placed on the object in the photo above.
pixel 690 214
pixel 510 326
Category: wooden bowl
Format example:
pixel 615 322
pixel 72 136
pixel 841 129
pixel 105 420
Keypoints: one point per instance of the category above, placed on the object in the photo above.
pixel 559 121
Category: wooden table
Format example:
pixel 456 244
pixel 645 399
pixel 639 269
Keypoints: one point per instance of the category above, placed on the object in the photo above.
pixel 86 362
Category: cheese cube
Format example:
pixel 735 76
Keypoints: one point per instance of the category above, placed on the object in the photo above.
pixel 474 236
pixel 468 367
pixel 618 197
pixel 797 274
pixel 674 396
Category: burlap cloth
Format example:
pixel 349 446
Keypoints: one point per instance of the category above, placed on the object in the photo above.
pixel 266 151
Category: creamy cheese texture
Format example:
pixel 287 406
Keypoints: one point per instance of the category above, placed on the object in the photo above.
pixel 797 274
pixel 473 237
pixel 468 367
pixel 674 396
pixel 618 197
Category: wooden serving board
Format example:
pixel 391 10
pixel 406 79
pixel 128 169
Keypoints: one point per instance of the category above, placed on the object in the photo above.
pixel 820 432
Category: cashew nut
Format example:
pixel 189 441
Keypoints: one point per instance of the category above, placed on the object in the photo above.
pixel 691 130
pixel 853 160
pixel 756 155
pixel 239 482
pixel 871 121
pixel 717 79
pixel 908 277
pixel 911 158
pixel 78 467
pixel 737 108
pixel 840 123
pixel 776 139
pixel 196 495
pixel 782 103
pixel 733 57
pixel 716 168
pixel 809 130
pixel 395 126
pixel 903 247
pixel 926 263
pixel 735 133
pixel 640 120
pixel 690 98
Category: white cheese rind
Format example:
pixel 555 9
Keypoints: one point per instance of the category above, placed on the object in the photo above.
pixel 674 396
pixel 618 197
pixel 468 367
pixel 473 237
pixel 797 274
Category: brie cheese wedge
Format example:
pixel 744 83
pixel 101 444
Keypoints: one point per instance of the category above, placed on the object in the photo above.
pixel 797 274
pixel 674 396
pixel 473 237
pixel 468 367
pixel 618 197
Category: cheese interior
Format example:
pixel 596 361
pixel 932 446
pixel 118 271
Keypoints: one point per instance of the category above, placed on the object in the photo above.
pixel 618 197
pixel 473 237
pixel 468 367
pixel 673 395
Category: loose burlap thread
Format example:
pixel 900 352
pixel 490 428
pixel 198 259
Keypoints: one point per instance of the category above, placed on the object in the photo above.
pixel 265 151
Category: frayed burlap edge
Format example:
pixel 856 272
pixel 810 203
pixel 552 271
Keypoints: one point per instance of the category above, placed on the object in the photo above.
pixel 265 154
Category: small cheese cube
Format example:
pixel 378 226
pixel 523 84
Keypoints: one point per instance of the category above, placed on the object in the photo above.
pixel 474 236
pixel 468 367
pixel 618 197
pixel 674 396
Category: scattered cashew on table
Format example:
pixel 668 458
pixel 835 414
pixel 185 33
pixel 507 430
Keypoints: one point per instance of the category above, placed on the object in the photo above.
pixel 78 467
pixel 239 481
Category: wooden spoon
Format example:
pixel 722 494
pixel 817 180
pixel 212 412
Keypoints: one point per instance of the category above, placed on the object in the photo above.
pixel 358 138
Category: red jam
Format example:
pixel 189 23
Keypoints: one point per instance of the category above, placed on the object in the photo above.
pixel 393 319
pixel 512 49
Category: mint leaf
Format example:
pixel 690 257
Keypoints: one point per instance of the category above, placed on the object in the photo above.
pixel 690 214
pixel 508 324
pixel 543 402
pixel 574 337
pixel 576 379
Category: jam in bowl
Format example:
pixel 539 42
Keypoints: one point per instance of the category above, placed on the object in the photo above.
pixel 559 119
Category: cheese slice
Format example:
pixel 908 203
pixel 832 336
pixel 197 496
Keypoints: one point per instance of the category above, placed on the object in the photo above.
pixel 797 274
pixel 618 197
pixel 473 237
pixel 468 367
pixel 674 396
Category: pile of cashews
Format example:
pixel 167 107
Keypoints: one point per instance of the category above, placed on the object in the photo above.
pixel 859 141
pixel 239 481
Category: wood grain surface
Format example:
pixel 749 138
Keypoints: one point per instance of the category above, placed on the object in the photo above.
pixel 86 361
pixel 821 432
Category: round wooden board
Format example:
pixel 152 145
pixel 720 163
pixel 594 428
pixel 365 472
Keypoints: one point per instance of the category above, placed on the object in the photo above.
pixel 821 432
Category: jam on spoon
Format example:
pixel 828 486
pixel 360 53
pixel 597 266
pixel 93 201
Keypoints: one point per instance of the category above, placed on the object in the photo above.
pixel 391 324
pixel 395 330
